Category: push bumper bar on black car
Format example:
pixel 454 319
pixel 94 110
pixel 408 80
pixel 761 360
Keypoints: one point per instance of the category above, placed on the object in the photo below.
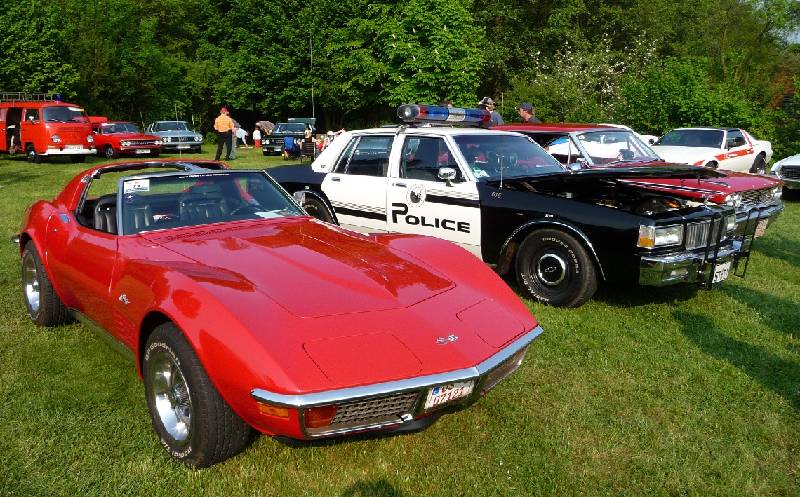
pixel 394 404
pixel 687 267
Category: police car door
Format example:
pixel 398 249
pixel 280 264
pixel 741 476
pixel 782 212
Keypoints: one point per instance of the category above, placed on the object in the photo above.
pixel 420 202
pixel 356 187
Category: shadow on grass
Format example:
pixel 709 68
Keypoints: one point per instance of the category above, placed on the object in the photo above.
pixel 634 296
pixel 378 488
pixel 780 247
pixel 773 372
pixel 778 313
pixel 18 177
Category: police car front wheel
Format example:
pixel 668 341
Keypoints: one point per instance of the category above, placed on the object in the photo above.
pixel 554 268
pixel 316 208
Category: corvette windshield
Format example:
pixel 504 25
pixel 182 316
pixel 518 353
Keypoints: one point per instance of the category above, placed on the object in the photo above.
pixel 493 157
pixel 710 138
pixel 171 126
pixel 608 147
pixel 171 201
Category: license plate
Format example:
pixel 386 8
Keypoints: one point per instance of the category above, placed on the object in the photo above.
pixel 721 272
pixel 142 150
pixel 442 394
pixel 183 147
pixel 74 147
pixel 761 227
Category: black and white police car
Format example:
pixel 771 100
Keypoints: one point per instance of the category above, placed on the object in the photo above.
pixel 500 196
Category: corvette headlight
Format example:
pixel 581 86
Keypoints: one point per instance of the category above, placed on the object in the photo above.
pixel 125 143
pixel 651 237
pixel 56 139
pixel 734 199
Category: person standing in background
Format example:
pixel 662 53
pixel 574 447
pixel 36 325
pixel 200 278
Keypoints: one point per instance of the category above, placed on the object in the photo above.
pixel 234 138
pixel 487 103
pixel 525 112
pixel 257 137
pixel 223 125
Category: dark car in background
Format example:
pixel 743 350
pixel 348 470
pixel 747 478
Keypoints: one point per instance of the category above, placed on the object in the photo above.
pixel 294 128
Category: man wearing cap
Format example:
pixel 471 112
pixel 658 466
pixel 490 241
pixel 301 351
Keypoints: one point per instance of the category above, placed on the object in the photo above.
pixel 223 125
pixel 525 112
pixel 487 103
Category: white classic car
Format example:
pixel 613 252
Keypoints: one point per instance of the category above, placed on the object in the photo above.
pixel 726 148
pixel 788 170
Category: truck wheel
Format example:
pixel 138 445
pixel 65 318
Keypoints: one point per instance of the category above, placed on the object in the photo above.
pixel 43 303
pixel 195 425
pixel 554 268
pixel 109 152
pixel 155 153
pixel 317 208
pixel 32 156
pixel 759 165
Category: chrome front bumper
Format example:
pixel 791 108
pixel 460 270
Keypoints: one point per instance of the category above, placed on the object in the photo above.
pixel 70 151
pixel 769 212
pixel 687 267
pixel 485 375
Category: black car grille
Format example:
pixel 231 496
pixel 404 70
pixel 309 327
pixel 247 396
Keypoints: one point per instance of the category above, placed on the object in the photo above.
pixel 790 172
pixel 755 197
pixel 375 410
pixel 139 143
pixel 697 234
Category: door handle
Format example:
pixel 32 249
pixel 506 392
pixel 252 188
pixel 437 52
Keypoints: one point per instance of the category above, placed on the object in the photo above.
pixel 401 185
pixel 336 178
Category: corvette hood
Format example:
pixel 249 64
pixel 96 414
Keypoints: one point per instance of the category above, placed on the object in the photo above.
pixel 309 268
pixel 684 155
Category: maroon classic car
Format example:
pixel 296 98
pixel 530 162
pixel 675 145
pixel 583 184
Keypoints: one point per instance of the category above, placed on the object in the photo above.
pixel 757 198
pixel 116 138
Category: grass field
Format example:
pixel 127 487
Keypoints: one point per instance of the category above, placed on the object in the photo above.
pixel 666 392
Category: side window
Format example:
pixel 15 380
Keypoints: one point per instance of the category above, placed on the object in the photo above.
pixel 31 115
pixel 735 139
pixel 423 156
pixel 366 156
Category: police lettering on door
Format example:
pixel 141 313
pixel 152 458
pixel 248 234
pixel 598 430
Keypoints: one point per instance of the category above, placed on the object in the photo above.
pixel 400 211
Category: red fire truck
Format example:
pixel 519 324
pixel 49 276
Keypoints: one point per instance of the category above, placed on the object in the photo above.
pixel 41 125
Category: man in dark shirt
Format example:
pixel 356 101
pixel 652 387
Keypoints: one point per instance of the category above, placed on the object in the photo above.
pixel 525 111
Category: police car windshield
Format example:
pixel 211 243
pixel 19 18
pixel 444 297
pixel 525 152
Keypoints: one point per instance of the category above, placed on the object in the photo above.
pixel 492 157
pixel 711 138
pixel 64 114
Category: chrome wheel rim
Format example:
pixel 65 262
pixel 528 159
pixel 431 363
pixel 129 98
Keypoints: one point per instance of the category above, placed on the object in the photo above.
pixel 170 395
pixel 551 269
pixel 30 282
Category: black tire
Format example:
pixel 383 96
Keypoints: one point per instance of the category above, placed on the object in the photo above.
pixel 77 159
pixel 554 268
pixel 108 152
pixel 43 303
pixel 759 165
pixel 213 432
pixel 317 208
pixel 712 165
pixel 32 156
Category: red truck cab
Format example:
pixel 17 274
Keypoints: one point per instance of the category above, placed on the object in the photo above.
pixel 42 126
pixel 114 138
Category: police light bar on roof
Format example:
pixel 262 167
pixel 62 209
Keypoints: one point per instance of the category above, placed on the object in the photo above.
pixel 413 113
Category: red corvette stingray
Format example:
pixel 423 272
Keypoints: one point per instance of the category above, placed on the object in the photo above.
pixel 243 312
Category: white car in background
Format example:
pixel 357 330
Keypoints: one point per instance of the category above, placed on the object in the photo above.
pixel 725 148
pixel 788 170
pixel 648 139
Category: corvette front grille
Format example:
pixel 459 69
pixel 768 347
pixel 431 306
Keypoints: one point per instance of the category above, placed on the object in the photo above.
pixel 374 410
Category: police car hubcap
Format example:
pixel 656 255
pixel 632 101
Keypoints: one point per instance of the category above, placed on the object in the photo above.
pixel 551 269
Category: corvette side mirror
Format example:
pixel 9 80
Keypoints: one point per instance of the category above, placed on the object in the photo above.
pixel 447 174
